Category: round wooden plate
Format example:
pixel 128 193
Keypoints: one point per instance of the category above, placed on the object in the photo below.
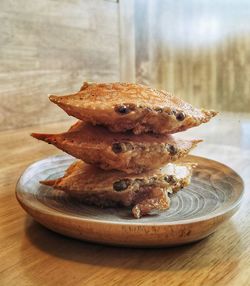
pixel 212 197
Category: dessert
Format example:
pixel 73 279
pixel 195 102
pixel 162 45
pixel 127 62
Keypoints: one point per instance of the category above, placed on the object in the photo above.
pixel 145 193
pixel 121 151
pixel 128 155
pixel 129 106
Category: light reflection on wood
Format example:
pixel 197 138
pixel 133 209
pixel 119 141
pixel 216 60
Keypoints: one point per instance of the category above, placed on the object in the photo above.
pixel 200 50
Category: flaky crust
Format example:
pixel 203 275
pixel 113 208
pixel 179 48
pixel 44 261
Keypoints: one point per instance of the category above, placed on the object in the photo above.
pixel 128 106
pixel 144 193
pixel 121 151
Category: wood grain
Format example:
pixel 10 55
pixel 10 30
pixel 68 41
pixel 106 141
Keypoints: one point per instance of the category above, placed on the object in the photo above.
pixel 198 50
pixel 51 47
pixel 32 255
pixel 127 40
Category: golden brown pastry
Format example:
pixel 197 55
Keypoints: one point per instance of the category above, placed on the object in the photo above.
pixel 121 151
pixel 144 193
pixel 128 106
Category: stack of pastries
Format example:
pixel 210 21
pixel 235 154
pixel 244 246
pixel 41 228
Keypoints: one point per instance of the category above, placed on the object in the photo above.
pixel 125 146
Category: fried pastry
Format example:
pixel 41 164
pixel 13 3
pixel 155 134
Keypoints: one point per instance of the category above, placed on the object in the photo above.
pixel 144 193
pixel 128 106
pixel 121 151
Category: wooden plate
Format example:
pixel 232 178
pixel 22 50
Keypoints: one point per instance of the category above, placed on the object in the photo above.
pixel 213 197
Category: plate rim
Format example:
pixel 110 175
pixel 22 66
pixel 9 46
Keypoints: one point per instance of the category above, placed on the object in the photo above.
pixel 136 222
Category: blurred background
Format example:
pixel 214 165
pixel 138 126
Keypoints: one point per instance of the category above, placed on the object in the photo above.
pixel 197 49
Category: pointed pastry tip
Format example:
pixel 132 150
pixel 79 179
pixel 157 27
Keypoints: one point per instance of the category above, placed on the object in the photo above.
pixel 40 136
pixel 197 141
pixel 54 98
pixel 50 183
pixel 210 113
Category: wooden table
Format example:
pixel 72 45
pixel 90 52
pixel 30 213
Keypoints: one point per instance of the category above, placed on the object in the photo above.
pixel 33 255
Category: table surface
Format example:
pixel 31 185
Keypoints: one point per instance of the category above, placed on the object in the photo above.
pixel 32 255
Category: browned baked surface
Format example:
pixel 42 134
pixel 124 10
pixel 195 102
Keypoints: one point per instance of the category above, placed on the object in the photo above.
pixel 145 192
pixel 121 151
pixel 128 106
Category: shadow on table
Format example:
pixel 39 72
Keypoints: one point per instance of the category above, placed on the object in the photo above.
pixel 197 255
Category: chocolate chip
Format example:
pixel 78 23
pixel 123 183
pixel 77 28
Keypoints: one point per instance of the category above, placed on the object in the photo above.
pixel 122 147
pixel 117 148
pixel 158 109
pixel 180 116
pixel 122 109
pixel 120 185
pixel 170 179
pixel 125 108
pixel 172 150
